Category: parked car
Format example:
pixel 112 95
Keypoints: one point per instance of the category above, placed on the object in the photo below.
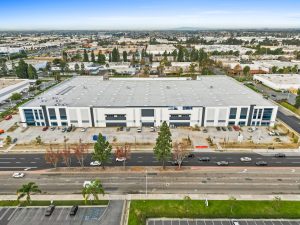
pixel 191 155
pixel 205 130
pixel 204 159
pixel 127 129
pixel 246 159
pixel 152 129
pixel 95 163
pixel 139 130
pixel 234 222
pixel 223 128
pixel 174 163
pixel 236 128
pixel 229 128
pixel 69 129
pixel 52 128
pixel 14 140
pixel 18 175
pixel 45 128
pixel 251 129
pixel 261 163
pixel 83 129
pixel 8 117
pixel 64 129
pixel 121 128
pixel 218 128
pixel 2 131
pixel 121 159
pixel 280 155
pixel 73 210
pixel 49 210
pixel 222 163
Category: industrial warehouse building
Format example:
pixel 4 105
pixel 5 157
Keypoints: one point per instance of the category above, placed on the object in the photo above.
pixel 279 82
pixel 134 102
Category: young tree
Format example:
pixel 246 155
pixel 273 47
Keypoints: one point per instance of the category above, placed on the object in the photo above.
pixel 32 74
pixel 80 152
pixel 22 69
pixel 38 140
pixel 94 189
pixel 125 56
pixel 27 190
pixel 65 56
pixel 246 70
pixel 180 152
pixel 8 140
pixel 52 156
pixel 66 156
pixel 76 67
pixel 85 56
pixel 93 56
pixel 163 146
pixel 101 58
pixel 123 152
pixel 82 69
pixel 3 69
pixel 16 96
pixel 180 55
pixel 102 150
pixel 115 55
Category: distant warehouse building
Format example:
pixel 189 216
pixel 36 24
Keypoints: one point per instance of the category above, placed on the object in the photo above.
pixel 92 102
pixel 279 82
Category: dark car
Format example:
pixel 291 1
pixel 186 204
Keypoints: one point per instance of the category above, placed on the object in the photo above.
pixel 223 128
pixel 218 128
pixel 261 163
pixel 73 210
pixel 280 155
pixel 45 128
pixel 49 210
pixel 222 163
pixel 204 159
pixel 205 130
pixel 229 128
pixel 191 155
pixel 174 163
pixel 69 129
pixel 14 140
pixel 64 129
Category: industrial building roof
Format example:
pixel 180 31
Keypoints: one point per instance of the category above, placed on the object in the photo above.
pixel 207 91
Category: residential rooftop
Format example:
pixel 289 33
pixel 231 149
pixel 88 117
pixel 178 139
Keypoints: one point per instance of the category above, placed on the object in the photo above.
pixel 207 91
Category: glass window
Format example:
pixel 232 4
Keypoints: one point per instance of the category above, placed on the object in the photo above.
pixel 41 114
pixel 267 115
pixel 28 113
pixel 187 108
pixel 53 123
pixel 232 114
pixel 147 112
pixel 244 112
pixel 36 114
pixel 231 123
pixel 242 123
pixel 52 114
pixel 64 123
pixel 63 113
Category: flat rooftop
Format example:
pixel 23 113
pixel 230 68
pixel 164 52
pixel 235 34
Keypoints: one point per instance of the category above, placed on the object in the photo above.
pixel 287 79
pixel 207 91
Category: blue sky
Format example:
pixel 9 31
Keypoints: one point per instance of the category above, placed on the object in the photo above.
pixel 148 14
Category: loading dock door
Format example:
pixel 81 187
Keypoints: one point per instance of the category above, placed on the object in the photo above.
pixel 147 124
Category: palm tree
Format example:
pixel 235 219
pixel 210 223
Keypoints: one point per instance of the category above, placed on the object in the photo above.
pixel 94 189
pixel 27 190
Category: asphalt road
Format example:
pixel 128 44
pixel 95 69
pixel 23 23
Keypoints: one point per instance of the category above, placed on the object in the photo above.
pixel 290 120
pixel 234 180
pixel 17 162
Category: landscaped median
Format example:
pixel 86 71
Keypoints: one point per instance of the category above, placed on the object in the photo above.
pixel 141 210
pixel 57 203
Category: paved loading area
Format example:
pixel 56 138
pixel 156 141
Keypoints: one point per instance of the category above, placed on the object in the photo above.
pixel 60 216
pixel 219 222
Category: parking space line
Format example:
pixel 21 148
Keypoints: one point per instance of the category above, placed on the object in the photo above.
pixel 57 219
pixel 36 214
pixel 6 211
pixel 11 215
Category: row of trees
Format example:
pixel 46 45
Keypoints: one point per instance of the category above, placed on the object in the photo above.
pixel 94 189
pixel 103 150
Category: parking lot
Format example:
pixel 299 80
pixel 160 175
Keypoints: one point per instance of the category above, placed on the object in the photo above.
pixel 60 216
pixel 220 222
pixel 114 135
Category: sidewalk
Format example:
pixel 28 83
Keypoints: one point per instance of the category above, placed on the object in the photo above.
pixel 160 197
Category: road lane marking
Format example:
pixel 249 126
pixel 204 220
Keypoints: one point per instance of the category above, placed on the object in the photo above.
pixel 5 162
pixel 16 167
pixel 7 158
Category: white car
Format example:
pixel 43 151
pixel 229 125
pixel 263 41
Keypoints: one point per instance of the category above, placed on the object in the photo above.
pixel 139 130
pixel 234 222
pixel 122 159
pixel 246 159
pixel 18 175
pixel 95 163
pixel 83 129
pixel 87 183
